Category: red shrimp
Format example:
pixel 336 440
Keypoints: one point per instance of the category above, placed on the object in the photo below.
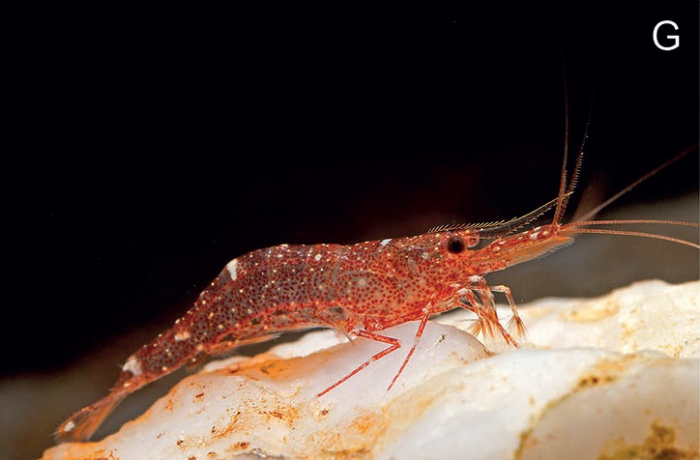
pixel 359 290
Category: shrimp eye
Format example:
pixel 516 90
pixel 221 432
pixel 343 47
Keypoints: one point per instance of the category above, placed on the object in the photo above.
pixel 456 245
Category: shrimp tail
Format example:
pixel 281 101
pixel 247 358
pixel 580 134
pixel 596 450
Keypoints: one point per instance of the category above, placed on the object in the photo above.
pixel 83 424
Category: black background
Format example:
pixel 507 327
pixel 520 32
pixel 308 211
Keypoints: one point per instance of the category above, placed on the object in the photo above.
pixel 146 148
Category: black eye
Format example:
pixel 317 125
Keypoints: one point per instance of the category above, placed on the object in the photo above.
pixel 455 245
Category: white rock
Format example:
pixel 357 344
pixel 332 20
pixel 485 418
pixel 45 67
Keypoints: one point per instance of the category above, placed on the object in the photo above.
pixel 613 377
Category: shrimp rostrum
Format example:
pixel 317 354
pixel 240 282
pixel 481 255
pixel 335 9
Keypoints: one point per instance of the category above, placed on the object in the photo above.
pixel 359 290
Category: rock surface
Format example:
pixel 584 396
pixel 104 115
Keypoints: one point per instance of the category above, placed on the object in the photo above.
pixel 612 377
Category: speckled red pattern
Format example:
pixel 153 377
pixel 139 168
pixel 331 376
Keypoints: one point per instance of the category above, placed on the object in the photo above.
pixel 358 289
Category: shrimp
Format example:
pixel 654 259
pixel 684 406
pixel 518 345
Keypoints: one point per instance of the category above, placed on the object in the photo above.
pixel 358 290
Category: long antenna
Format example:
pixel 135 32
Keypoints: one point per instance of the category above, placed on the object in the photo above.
pixel 566 190
pixel 561 203
pixel 607 202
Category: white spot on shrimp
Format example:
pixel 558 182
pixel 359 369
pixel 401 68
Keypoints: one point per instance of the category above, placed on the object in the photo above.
pixel 534 236
pixel 475 279
pixel 182 335
pixel 385 242
pixel 69 426
pixel 133 365
pixel 317 257
pixel 233 269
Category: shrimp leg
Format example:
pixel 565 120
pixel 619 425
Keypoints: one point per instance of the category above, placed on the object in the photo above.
pixel 394 344
pixel 483 306
pixel 419 333
pixel 515 323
